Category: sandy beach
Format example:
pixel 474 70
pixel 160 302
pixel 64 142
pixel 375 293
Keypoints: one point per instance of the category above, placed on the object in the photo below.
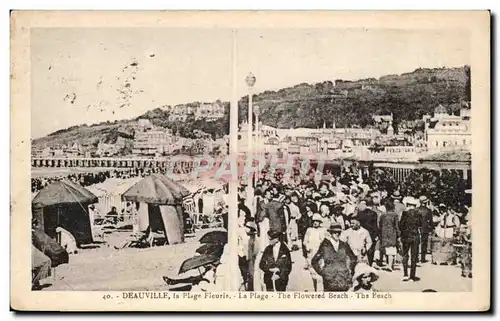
pixel 106 269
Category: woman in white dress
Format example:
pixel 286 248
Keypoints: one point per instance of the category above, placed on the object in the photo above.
pixel 66 240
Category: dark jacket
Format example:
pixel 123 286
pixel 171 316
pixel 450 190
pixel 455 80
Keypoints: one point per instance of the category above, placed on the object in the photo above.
pixel 427 223
pixel 338 265
pixel 303 223
pixel 410 226
pixel 275 212
pixel 368 220
pixel 243 209
pixel 287 213
pixel 284 262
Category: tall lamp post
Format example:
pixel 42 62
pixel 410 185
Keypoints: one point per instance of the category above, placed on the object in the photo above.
pixel 250 81
pixel 256 112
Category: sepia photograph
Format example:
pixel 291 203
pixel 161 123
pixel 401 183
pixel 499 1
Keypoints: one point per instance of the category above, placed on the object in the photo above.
pixel 250 161
pixel 365 179
pixel 119 119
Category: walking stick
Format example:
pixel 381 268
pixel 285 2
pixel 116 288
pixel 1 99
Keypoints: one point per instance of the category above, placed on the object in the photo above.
pixel 274 282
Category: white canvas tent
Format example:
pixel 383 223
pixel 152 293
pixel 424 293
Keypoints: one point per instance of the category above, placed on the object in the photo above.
pixel 109 193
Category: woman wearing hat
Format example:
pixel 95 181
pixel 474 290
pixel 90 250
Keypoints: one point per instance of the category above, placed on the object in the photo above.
pixel 364 276
pixel 324 210
pixel 389 234
pixel 313 238
pixel 334 261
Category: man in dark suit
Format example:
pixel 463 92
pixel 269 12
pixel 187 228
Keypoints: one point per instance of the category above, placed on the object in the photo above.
pixel 275 212
pixel 427 226
pixel 276 263
pixel 338 261
pixel 369 221
pixel 410 226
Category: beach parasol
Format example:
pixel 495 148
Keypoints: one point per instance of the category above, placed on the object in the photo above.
pixel 217 237
pixel 64 203
pixel 215 249
pixel 63 192
pixel 40 265
pixel 49 247
pixel 198 261
pixel 156 189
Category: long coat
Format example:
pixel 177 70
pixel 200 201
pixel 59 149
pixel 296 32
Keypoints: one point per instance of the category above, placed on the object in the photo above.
pixel 410 225
pixel 389 229
pixel 275 212
pixel 338 267
pixel 368 220
pixel 303 223
pixel 427 222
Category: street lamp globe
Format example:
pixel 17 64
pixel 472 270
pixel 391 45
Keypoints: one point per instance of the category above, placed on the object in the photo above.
pixel 250 80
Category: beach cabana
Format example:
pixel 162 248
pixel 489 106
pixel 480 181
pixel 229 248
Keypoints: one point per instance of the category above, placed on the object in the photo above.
pixel 49 247
pixel 64 204
pixel 160 207
pixel 109 193
pixel 40 266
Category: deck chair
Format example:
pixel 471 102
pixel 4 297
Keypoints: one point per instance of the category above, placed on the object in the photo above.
pixel 143 239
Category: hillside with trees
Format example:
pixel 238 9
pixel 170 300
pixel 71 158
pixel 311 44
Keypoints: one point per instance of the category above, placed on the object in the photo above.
pixel 352 103
pixel 346 103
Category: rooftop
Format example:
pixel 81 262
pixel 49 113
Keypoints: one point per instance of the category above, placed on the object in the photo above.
pixel 449 156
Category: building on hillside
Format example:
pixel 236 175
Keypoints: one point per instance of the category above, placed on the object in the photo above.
pixel 448 131
pixel 384 123
pixel 39 152
pixel 267 131
pixel 107 150
pixel 177 117
pixel 58 152
pixel 382 118
pixel 153 142
pixel 74 150
pixel 180 112
pixel 144 125
pixel 209 112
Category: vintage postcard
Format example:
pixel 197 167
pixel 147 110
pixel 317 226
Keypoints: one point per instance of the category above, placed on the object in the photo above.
pixel 250 161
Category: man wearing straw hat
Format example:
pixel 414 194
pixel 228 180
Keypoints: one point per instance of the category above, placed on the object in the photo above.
pixel 399 207
pixel 276 263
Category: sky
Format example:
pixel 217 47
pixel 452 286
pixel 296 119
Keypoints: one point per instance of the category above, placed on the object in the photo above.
pixel 79 74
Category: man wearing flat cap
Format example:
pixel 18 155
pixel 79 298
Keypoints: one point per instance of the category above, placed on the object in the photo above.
pixel 334 261
pixel 276 263
pixel 427 226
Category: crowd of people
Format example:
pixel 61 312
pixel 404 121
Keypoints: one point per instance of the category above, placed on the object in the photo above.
pixel 347 227
pixel 87 179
